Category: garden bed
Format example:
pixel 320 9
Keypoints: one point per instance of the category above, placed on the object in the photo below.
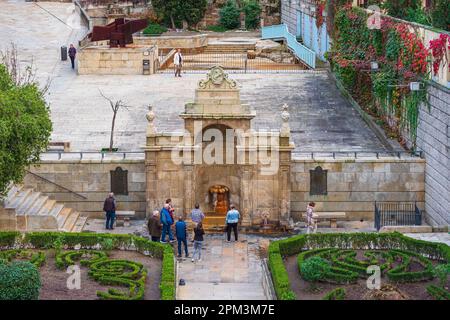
pixel 334 266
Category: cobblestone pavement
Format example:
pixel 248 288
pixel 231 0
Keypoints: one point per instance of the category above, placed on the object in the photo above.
pixel 228 271
pixel 321 119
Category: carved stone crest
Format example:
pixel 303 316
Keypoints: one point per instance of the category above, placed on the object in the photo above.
pixel 217 77
pixel 285 128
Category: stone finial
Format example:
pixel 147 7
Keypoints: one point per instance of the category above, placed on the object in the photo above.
pixel 285 129
pixel 217 78
pixel 150 117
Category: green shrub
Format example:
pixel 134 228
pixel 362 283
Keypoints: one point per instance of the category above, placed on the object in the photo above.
pixel 8 238
pixel 19 280
pixel 441 271
pixel 335 294
pixel 86 257
pixel 230 15
pixel 252 11
pixel 315 269
pixel 438 293
pixel 280 276
pixel 36 258
pixel 154 29
pixel 218 28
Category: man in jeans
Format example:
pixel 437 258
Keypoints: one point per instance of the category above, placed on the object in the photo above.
pixel 232 220
pixel 72 54
pixel 109 206
pixel 166 221
pixel 181 232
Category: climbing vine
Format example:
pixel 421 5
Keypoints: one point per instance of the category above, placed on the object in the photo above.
pixel 402 58
pixel 438 49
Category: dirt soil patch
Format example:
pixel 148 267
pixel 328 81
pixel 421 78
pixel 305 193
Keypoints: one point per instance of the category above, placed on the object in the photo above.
pixel 54 280
pixel 357 291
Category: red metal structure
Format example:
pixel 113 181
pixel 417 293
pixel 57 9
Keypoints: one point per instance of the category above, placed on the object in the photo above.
pixel 119 33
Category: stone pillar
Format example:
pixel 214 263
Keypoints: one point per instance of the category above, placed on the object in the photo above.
pixel 284 195
pixel 246 195
pixel 189 188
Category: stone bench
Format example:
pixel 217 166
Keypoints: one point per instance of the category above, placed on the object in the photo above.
pixel 123 218
pixel 333 217
pixel 63 146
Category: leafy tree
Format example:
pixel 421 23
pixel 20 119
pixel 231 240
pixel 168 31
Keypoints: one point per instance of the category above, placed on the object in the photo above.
pixel 175 11
pixel 229 15
pixel 25 124
pixel 167 8
pixel 440 14
pixel 252 11
pixel 193 11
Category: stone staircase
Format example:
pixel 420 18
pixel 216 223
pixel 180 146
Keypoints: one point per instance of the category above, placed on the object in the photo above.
pixel 24 209
pixel 233 47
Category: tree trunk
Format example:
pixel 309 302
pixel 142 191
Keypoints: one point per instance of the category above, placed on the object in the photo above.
pixel 111 140
pixel 173 22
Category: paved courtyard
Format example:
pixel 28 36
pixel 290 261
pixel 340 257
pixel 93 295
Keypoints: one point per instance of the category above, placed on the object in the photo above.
pixel 321 119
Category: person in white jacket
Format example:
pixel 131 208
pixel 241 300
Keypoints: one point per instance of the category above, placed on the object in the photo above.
pixel 311 222
pixel 178 62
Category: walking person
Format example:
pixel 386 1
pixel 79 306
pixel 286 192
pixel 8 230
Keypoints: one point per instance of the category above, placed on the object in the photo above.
pixel 198 241
pixel 197 215
pixel 167 222
pixel 232 220
pixel 155 226
pixel 311 223
pixel 181 233
pixel 109 206
pixel 72 54
pixel 178 63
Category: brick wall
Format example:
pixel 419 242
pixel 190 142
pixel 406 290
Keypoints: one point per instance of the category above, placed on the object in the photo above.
pixel 433 137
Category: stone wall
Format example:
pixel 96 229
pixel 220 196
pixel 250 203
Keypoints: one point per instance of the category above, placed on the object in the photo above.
pixel 163 42
pixel 289 10
pixel 433 137
pixel 122 61
pixel 90 179
pixel 354 186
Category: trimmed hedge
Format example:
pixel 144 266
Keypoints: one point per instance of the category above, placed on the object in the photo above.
pixel 335 294
pixel 438 293
pixel 19 280
pixel 36 258
pixel 361 241
pixel 94 241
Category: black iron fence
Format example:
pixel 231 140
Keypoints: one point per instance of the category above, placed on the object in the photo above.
pixel 397 214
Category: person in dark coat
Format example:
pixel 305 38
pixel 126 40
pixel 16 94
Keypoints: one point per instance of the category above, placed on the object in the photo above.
pixel 198 241
pixel 155 226
pixel 109 206
pixel 181 233
pixel 72 54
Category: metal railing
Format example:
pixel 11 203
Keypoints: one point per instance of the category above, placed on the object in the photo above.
pixel 281 31
pixel 92 155
pixel 56 184
pixel 397 214
pixel 356 154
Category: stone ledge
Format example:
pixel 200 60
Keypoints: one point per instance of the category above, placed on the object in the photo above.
pixel 407 229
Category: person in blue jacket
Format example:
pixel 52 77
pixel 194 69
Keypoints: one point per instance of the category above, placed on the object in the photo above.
pixel 181 232
pixel 166 221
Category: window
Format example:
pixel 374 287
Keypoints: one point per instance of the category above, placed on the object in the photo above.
pixel 318 182
pixel 119 181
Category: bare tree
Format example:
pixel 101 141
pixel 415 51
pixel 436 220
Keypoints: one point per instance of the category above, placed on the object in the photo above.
pixel 115 107
pixel 21 77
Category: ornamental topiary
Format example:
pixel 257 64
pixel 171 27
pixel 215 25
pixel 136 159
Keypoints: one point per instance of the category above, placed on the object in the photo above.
pixel 19 280
pixel 315 269
pixel 229 15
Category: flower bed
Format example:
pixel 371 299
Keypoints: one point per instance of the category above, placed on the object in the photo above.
pixel 106 270
pixel 393 252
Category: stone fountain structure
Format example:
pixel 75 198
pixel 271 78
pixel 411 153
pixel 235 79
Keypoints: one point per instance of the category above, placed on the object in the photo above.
pixel 220 159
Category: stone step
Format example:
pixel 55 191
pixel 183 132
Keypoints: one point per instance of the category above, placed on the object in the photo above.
pixel 47 207
pixel 70 222
pixel 27 203
pixel 12 192
pixel 37 205
pixel 56 209
pixel 62 216
pixel 79 224
pixel 18 198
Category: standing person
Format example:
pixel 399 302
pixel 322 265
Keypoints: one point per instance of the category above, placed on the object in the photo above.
pixel 181 233
pixel 166 221
pixel 178 62
pixel 311 223
pixel 197 215
pixel 198 241
pixel 171 208
pixel 72 54
pixel 155 226
pixel 232 220
pixel 109 206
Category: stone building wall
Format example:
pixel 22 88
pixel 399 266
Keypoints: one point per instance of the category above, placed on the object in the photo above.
pixel 116 61
pixel 433 137
pixel 289 10
pixel 92 180
pixel 354 186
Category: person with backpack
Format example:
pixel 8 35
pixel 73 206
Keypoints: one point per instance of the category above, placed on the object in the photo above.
pixel 181 233
pixel 167 222
pixel 198 242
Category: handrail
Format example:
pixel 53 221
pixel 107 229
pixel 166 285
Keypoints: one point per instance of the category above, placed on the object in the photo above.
pixel 56 184
pixel 102 155
pixel 357 154
pixel 281 31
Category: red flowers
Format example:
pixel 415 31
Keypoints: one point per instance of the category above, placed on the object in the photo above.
pixel 439 51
